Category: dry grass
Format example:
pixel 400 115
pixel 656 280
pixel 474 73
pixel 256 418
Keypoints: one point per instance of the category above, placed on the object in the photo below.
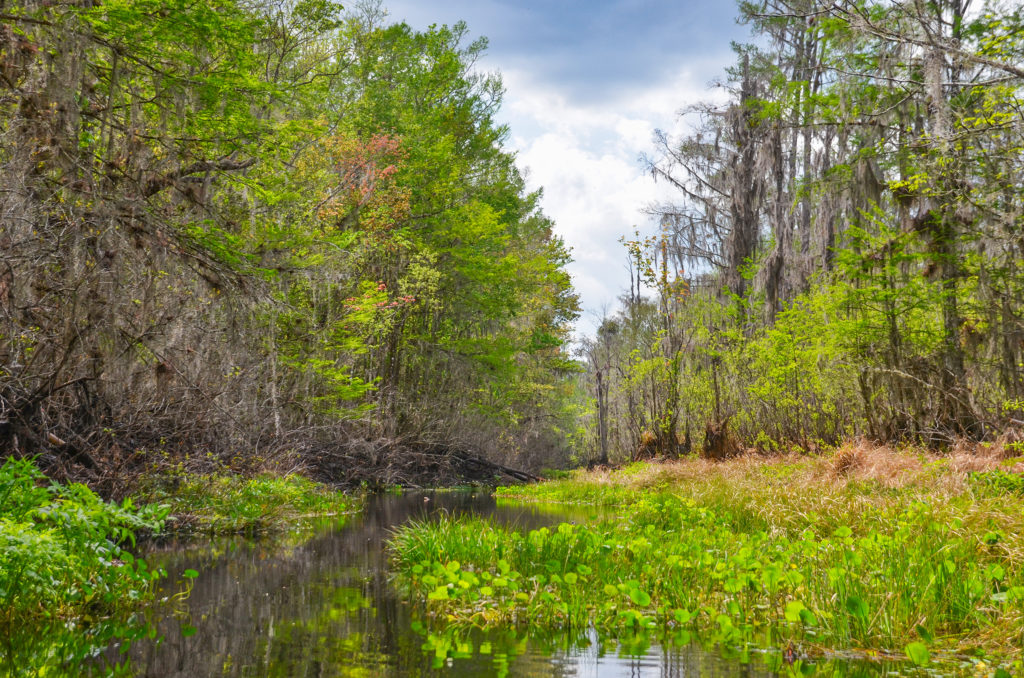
pixel 856 484
pixel 853 464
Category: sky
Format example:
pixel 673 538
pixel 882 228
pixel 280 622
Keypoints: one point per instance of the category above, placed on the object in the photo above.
pixel 587 84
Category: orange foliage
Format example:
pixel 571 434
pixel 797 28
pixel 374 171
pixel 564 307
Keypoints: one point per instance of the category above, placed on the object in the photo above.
pixel 362 183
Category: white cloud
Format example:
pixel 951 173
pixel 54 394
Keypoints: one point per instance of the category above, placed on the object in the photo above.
pixel 586 86
pixel 586 157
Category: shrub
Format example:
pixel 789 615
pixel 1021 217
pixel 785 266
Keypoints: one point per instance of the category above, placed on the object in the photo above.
pixel 62 549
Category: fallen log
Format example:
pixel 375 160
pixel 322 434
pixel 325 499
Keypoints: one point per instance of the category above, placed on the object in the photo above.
pixel 480 462
pixel 383 462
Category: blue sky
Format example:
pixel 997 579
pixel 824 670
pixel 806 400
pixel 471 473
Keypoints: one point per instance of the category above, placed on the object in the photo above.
pixel 587 83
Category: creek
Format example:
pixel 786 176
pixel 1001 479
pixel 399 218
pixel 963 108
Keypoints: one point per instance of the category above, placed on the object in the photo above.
pixel 325 606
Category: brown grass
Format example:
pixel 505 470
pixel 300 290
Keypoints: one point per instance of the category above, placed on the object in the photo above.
pixel 792 490
pixel 855 463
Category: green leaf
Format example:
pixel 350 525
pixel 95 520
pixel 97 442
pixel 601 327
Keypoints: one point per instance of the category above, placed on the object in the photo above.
pixel 995 572
pixel 189 574
pixel 793 610
pixel 807 618
pixel 918 653
pixel 639 597
pixel 856 606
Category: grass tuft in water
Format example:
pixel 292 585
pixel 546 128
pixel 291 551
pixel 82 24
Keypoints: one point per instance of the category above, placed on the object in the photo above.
pixel 225 503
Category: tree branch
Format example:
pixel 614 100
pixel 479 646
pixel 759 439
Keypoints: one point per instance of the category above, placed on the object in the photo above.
pixel 154 186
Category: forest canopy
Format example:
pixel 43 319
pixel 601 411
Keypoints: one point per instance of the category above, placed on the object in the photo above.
pixel 249 229
pixel 258 231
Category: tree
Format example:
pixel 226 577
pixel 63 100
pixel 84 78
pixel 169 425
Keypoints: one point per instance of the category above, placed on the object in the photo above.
pixel 861 182
pixel 265 226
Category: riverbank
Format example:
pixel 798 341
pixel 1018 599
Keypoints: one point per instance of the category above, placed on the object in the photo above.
pixel 70 582
pixel 867 550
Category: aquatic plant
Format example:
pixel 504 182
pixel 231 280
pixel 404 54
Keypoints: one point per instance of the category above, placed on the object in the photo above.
pixel 65 565
pixel 62 549
pixel 227 503
pixel 895 572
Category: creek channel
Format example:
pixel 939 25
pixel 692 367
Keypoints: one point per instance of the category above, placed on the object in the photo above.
pixel 325 606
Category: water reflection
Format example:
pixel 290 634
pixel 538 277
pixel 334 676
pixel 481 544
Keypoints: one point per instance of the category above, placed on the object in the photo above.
pixel 324 606
pixel 85 648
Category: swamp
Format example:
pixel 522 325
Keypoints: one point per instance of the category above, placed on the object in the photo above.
pixel 328 346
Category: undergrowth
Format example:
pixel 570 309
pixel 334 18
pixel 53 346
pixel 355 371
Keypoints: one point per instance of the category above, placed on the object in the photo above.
pixel 65 564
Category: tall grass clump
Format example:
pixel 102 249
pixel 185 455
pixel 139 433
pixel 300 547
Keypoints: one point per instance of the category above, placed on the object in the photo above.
pixel 916 562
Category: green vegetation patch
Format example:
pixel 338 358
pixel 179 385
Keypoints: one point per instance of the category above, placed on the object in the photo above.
pixel 908 575
pixel 64 565
pixel 999 481
pixel 62 549
pixel 227 503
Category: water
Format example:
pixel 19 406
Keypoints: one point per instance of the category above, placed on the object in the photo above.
pixel 325 607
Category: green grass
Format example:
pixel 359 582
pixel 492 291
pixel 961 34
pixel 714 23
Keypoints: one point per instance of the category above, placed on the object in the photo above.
pixel 925 568
pixel 225 503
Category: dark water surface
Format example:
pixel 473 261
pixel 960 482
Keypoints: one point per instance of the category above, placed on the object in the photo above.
pixel 324 607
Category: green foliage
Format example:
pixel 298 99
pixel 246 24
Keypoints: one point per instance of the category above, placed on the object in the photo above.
pixel 800 382
pixel 65 566
pixel 903 574
pixel 64 551
pixel 918 653
pixel 423 258
pixel 794 380
pixel 851 229
pixel 311 219
pixel 998 482
pixel 226 503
